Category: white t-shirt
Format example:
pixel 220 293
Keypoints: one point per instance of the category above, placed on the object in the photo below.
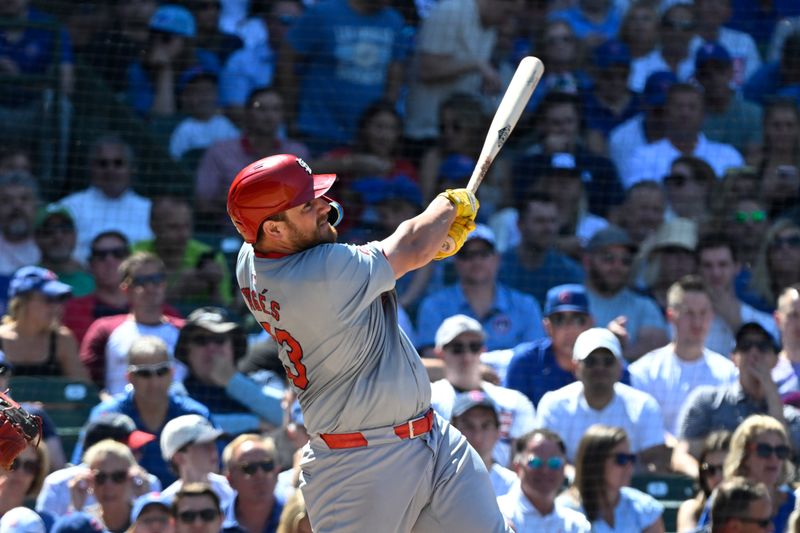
pixel 516 413
pixel 642 67
pixel 624 139
pixel 502 479
pixel 516 507
pixel 721 338
pixel 669 379
pixel 191 134
pixel 566 412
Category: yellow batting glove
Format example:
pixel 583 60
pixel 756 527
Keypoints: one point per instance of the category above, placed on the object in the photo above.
pixel 465 202
pixel 456 237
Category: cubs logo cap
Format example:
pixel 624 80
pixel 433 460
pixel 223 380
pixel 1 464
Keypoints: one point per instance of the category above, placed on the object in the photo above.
pixel 569 297
pixel 467 400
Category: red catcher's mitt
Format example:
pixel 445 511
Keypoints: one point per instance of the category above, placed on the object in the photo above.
pixel 17 429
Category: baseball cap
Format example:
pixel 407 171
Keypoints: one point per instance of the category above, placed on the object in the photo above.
pixel 78 523
pixel 467 400
pixel 194 73
pixel 145 500
pixel 214 319
pixel 610 236
pixel 484 233
pixel 171 18
pixel 758 329
pixel 676 233
pixel 116 426
pixel 456 167
pixel 657 86
pixel 184 430
pixel 22 520
pixel 593 339
pixel 568 297
pixel 45 214
pixel 611 53
pixel 711 51
pixel 34 278
pixel 454 326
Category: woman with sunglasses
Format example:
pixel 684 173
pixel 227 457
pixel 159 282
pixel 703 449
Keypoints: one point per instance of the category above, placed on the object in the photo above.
pixel 778 262
pixel 688 187
pixel 110 478
pixel 603 469
pixel 24 480
pixel 32 335
pixel 709 475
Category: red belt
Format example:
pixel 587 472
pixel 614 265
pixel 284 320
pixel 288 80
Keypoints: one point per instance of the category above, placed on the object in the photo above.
pixel 409 430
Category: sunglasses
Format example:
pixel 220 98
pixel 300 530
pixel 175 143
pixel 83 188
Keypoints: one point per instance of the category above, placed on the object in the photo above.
pixel 711 470
pixel 109 163
pixel 206 515
pixel 791 242
pixel 568 319
pixel 764 450
pixel 763 523
pixel 148 371
pixel 116 253
pixel 743 217
pixel 624 459
pixel 249 469
pixel 212 338
pixel 606 361
pixel 473 254
pixel 153 279
pixel 118 477
pixel 553 463
pixel 460 348
pixel 761 346
pixel 29 467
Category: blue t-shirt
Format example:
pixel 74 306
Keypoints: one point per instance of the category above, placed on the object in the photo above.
pixel 348 57
pixel 640 311
pixel 556 269
pixel 585 28
pixel 601 118
pixel 515 317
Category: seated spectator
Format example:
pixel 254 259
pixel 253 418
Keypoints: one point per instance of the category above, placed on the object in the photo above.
pixel 671 372
pixel 639 28
pixel 761 452
pixel 294 518
pixel 719 266
pixel 210 37
pixel 78 522
pixel 708 408
pixel 777 78
pixel 104 349
pixel 16 158
pixel 643 211
pixel 188 444
pixel 149 401
pixel 535 265
pixel 196 273
pixel 459 342
pixel 170 52
pixel 204 124
pixel 197 501
pixel 23 480
pixel 729 118
pixel 56 238
pixel 250 466
pixel 778 262
pixel 603 468
pixel 210 345
pixel 672 53
pixel 667 256
pixel 111 479
pixel 779 147
pixel 592 22
pixel 688 188
pixel 109 203
pixel 25 520
pixel 534 368
pixel 530 504
pixel 740 503
pixel 476 416
pixel 261 137
pixel 598 398
pixel 19 200
pixel 685 113
pixel 608 262
pixel 786 373
pixel 508 317
pixel 151 514
pixel 745 222
pixel 32 336
pixel 709 475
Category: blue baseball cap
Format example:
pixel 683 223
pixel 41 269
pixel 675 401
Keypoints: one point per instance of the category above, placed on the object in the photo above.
pixel 34 278
pixel 657 86
pixel 570 297
pixel 484 233
pixel 78 523
pixel 170 18
pixel 195 73
pixel 145 500
pixel 612 53
pixel 456 167
pixel 709 52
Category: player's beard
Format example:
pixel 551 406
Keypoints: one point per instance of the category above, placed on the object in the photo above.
pixel 324 234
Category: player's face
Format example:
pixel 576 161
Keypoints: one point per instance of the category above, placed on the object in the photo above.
pixel 253 472
pixel 610 268
pixel 718 267
pixel 618 475
pixel 307 225
pixel 481 428
pixel 542 467
pixel 192 514
pixel 692 317
pixel 462 356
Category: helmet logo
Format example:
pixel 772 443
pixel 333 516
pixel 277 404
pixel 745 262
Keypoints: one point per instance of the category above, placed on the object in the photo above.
pixel 304 165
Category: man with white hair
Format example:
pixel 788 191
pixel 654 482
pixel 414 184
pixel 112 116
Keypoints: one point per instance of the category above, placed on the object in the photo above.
pixel 460 341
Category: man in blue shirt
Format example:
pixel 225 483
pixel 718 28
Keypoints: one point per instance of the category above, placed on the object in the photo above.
pixel 149 402
pixel 508 317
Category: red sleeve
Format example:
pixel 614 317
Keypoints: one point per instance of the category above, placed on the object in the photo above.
pixel 93 347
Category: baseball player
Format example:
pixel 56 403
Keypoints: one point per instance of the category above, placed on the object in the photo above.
pixel 378 459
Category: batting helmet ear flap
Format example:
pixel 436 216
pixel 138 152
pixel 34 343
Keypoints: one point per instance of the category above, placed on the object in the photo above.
pixel 336 214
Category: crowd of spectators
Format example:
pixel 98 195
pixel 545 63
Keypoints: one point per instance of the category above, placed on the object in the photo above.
pixel 628 303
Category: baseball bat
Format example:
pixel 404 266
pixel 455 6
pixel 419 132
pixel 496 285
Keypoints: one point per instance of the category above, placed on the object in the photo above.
pixel 516 97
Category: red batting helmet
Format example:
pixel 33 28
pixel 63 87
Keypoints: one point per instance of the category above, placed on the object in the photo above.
pixel 270 186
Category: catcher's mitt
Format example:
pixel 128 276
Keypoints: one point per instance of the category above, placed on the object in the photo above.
pixel 17 429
